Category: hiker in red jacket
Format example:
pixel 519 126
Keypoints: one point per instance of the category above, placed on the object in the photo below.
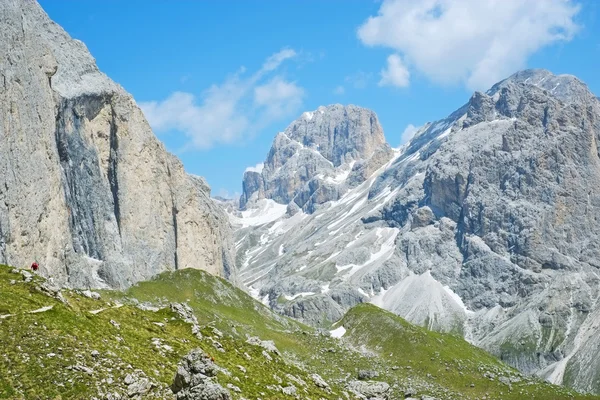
pixel 34 266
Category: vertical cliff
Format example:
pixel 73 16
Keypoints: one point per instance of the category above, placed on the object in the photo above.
pixel 86 189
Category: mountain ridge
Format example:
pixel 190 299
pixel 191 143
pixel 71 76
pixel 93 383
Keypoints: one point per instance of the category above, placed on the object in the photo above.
pixel 463 230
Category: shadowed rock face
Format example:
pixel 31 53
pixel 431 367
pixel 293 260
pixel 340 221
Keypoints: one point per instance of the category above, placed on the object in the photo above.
pixel 485 224
pixel 306 161
pixel 85 187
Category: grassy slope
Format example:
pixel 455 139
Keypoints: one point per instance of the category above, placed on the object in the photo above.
pixel 442 359
pixel 403 354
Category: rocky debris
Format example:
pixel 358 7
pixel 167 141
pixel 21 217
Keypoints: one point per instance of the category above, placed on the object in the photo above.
pixel 51 290
pixel 86 158
pixel 27 276
pixel 268 345
pixel 82 368
pixel 187 314
pixel 364 374
pixel 139 387
pixel 234 388
pixel 319 382
pixel 296 380
pixel 267 355
pixel 370 389
pixel 90 294
pixel 195 379
pixel 289 390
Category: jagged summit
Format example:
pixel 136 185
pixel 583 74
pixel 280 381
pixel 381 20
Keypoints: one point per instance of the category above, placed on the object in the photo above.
pixel 567 88
pixel 318 157
pixel 483 225
pixel 339 133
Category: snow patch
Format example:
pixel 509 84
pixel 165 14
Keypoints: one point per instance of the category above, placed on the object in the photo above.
pixel 338 332
pixel 446 133
pixel 303 294
pixel 267 211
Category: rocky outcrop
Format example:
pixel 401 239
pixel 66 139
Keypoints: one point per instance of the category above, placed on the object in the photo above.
pixel 86 189
pixel 310 161
pixel 195 379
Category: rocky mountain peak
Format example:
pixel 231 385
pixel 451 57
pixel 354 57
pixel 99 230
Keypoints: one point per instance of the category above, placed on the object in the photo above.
pixel 567 88
pixel 484 224
pixel 339 133
pixel 318 157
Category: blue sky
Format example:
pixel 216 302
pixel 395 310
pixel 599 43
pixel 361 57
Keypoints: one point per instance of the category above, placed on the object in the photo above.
pixel 218 79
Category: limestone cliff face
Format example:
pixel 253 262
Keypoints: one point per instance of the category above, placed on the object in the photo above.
pixel 86 189
pixel 310 161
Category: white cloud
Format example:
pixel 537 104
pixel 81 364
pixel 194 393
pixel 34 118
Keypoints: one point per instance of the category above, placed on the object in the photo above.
pixel 230 111
pixel 257 168
pixel 339 90
pixel 476 42
pixel 395 73
pixel 359 80
pixel 278 97
pixel 409 133
pixel 275 60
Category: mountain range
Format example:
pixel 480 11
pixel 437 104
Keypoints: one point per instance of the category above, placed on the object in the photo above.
pixel 482 226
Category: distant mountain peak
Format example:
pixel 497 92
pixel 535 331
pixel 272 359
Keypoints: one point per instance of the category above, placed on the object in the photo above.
pixel 565 87
pixel 310 162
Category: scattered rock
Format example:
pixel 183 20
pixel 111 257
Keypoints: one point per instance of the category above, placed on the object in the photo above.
pixel 194 378
pixel 234 388
pixel 369 389
pixel 266 355
pixel 364 375
pixel 139 387
pixel 319 382
pixel 27 277
pixel 289 390
pixel 91 295
pixel 268 345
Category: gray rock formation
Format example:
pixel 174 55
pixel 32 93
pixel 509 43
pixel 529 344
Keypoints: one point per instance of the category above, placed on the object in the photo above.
pixel 195 379
pixel 86 189
pixel 308 163
pixel 370 390
pixel 483 225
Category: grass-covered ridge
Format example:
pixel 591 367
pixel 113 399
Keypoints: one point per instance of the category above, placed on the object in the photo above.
pixel 52 354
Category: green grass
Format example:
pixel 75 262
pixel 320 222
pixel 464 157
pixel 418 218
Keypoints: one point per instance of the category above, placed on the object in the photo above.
pixel 443 359
pixel 435 364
